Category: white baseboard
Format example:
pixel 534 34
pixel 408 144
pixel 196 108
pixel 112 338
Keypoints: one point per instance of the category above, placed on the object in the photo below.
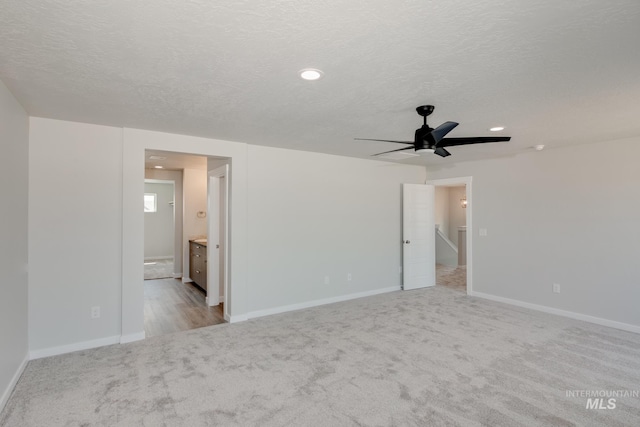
pixel 132 337
pixel 570 314
pixel 236 319
pixel 84 345
pixel 177 275
pixel 149 258
pixel 315 303
pixel 14 380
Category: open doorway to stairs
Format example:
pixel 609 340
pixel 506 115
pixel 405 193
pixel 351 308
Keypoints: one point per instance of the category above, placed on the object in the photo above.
pixel 192 296
pixel 453 233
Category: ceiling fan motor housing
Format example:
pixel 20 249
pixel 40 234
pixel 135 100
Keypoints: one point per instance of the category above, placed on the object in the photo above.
pixel 425 110
pixel 424 138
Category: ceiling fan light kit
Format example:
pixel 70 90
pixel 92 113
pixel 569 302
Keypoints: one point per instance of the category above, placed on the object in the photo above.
pixel 430 140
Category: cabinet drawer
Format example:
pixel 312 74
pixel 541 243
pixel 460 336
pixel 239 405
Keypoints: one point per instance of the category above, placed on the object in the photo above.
pixel 198 264
pixel 198 249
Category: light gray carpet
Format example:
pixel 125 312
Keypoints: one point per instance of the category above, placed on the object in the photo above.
pixel 453 277
pixel 427 357
pixel 158 269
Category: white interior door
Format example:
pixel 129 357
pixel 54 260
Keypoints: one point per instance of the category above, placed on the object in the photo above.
pixel 218 233
pixel 213 241
pixel 418 231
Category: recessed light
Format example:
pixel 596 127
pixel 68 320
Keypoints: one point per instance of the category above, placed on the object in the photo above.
pixel 157 158
pixel 497 129
pixel 539 147
pixel 158 167
pixel 310 74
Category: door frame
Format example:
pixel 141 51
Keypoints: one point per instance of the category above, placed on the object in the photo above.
pixel 467 181
pixel 218 220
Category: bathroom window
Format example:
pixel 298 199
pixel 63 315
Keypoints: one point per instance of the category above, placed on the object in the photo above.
pixel 150 202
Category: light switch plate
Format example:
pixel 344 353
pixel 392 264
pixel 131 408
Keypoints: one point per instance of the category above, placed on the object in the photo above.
pixel 483 232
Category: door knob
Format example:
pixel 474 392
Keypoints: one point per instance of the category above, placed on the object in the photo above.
pixel 407 241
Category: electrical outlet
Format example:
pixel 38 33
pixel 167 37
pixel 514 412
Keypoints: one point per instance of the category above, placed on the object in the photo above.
pixel 483 232
pixel 348 277
pixel 95 312
pixel 326 280
pixel 556 288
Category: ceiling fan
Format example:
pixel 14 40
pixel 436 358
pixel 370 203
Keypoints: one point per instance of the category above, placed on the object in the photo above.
pixel 430 140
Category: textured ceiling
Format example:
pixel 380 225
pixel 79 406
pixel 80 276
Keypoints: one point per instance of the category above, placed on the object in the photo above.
pixel 553 72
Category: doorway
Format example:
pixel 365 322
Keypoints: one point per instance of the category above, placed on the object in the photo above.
pixel 454 232
pixel 185 299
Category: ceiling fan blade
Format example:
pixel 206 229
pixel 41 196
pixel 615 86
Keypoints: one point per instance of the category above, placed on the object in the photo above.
pixel 450 142
pixel 384 140
pixel 393 151
pixel 441 152
pixel 440 132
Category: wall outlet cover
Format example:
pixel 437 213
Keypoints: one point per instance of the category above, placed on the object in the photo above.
pixel 95 312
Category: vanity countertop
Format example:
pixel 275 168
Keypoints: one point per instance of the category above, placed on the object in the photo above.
pixel 202 242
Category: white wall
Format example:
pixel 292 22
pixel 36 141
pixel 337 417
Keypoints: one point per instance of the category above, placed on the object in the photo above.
pixel 300 215
pixel 14 167
pixel 567 216
pixel 176 177
pixel 75 232
pixel 315 215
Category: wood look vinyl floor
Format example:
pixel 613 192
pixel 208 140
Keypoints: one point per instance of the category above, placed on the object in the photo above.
pixel 173 306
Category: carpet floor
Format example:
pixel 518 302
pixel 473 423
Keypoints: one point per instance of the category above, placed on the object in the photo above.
pixel 453 277
pixel 427 357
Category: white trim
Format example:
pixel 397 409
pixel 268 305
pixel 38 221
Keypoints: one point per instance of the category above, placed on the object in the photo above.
pixel 220 192
pixel 12 384
pixel 69 348
pixel 160 181
pixel 570 314
pixel 214 302
pixel 236 319
pixel 315 303
pixel 177 275
pixel 467 181
pixel 158 257
pixel 132 337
